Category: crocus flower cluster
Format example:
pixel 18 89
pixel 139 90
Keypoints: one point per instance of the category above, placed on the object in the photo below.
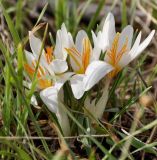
pixel 79 63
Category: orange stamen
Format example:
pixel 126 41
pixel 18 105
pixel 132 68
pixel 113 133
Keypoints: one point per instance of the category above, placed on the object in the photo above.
pixel 73 52
pixel 29 69
pixel 86 53
pixel 84 57
pixel 49 54
pixel 42 83
pixel 113 51
pixel 115 55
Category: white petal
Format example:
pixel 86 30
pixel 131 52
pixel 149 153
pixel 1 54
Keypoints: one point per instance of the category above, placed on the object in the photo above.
pixel 136 49
pixel 94 38
pixel 30 58
pixel 109 20
pixel 27 84
pixel 58 51
pixel 99 42
pixel 34 101
pixel 127 58
pixel 61 79
pixel 71 42
pixel 95 54
pixel 105 37
pixel 145 43
pixel 95 72
pixel 35 44
pixel 109 31
pixel 63 29
pixel 77 85
pixel 59 66
pixel 126 35
pixel 50 97
pixel 62 42
pixel 75 65
pixel 79 40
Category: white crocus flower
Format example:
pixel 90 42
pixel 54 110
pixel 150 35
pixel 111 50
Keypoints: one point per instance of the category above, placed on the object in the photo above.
pixel 51 75
pixel 119 53
pixel 88 72
pixel 118 46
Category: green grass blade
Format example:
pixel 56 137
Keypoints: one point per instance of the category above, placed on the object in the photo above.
pixel 124 14
pixel 41 14
pixel 95 16
pixel 7 107
pixel 22 154
pixel 131 101
pixel 102 148
pixel 140 145
pixel 19 14
pixel 147 148
pixel 11 25
pixel 61 12
pixel 25 99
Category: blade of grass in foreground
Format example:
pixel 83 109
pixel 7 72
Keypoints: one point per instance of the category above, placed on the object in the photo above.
pixel 11 26
pixel 147 148
pixel 102 148
pixel 21 115
pixel 126 147
pixel 7 107
pixel 19 14
pixel 13 73
pixel 25 99
pixel 34 80
pixel 95 16
pixel 140 145
pixel 22 154
pixel 143 129
pixel 41 14
pixel 61 12
pixel 131 101
pixel 80 15
pixel 124 14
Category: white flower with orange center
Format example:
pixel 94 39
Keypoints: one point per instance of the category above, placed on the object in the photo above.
pixel 51 76
pixel 119 51
pixel 50 69
pixel 118 46
pixel 87 71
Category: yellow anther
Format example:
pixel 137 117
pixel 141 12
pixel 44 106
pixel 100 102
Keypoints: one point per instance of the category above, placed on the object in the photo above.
pixel 82 60
pixel 115 55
